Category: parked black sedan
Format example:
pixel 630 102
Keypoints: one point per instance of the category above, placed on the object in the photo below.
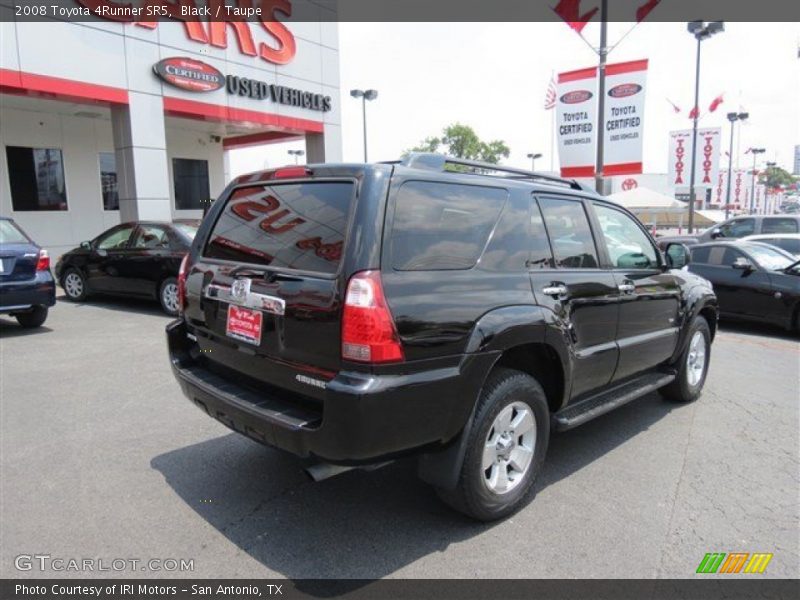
pixel 753 281
pixel 27 289
pixel 139 259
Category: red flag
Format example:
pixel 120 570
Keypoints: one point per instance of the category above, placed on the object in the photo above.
pixel 715 103
pixel 570 11
pixel 645 9
pixel 675 107
pixel 694 113
pixel 550 96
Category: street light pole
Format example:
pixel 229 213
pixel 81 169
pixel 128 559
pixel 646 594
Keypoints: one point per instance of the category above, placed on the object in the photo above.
pixel 297 154
pixel 700 31
pixel 364 95
pixel 756 152
pixel 601 100
pixel 533 158
pixel 732 117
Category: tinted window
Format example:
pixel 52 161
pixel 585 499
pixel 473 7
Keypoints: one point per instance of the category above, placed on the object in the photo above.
pixel 769 258
pixel 779 225
pixel 570 235
pixel 297 226
pixel 729 257
pixel 186 229
pixel 716 255
pixel 191 183
pixel 700 255
pixel 541 256
pixel 628 246
pixel 440 226
pixel 10 234
pixel 116 239
pixel 108 181
pixel 790 245
pixel 738 228
pixel 36 177
pixel 151 237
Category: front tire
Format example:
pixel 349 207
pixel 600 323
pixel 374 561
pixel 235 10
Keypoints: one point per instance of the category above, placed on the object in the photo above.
pixel 693 365
pixel 33 318
pixel 506 447
pixel 168 296
pixel 74 284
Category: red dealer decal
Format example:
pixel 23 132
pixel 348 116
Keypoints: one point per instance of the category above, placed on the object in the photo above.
pixel 624 90
pixel 189 74
pixel 576 96
pixel 629 184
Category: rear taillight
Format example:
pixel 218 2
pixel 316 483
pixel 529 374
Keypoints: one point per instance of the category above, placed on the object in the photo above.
pixel 368 331
pixel 43 263
pixel 182 283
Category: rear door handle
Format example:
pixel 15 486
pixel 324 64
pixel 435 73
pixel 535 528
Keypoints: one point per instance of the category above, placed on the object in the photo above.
pixel 626 288
pixel 555 290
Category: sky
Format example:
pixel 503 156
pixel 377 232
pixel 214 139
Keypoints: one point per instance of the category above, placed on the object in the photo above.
pixel 493 77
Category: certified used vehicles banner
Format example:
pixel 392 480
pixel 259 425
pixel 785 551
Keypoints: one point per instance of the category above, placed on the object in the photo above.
pixel 622 127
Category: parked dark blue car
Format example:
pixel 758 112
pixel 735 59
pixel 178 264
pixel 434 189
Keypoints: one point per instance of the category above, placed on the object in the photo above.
pixel 27 288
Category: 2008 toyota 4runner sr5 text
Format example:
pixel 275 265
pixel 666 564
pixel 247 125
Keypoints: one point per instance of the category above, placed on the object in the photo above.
pixel 438 307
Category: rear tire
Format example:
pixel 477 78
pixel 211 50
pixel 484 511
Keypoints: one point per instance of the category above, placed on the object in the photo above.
pixel 33 318
pixel 693 365
pixel 74 284
pixel 506 447
pixel 168 296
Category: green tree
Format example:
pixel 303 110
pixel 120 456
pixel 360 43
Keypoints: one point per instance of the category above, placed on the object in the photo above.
pixel 776 177
pixel 461 141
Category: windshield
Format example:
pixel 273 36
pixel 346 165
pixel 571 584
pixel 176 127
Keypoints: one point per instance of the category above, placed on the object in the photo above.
pixel 770 258
pixel 186 229
pixel 9 234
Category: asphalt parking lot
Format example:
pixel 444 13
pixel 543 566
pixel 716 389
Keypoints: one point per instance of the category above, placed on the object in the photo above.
pixel 102 457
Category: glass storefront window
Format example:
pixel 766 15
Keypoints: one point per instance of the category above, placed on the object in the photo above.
pixel 191 183
pixel 36 176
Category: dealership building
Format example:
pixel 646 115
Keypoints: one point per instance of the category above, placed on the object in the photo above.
pixel 106 122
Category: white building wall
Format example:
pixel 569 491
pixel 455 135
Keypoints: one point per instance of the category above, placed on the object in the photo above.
pixel 187 143
pixel 81 140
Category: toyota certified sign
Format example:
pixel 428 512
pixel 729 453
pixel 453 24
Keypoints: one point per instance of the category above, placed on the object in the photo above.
pixel 624 90
pixel 576 96
pixel 189 74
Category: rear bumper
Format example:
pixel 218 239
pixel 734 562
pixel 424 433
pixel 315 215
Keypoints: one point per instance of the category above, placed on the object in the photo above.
pixel 362 418
pixel 22 295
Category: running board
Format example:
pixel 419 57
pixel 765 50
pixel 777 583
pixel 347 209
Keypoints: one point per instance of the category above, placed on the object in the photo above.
pixel 594 406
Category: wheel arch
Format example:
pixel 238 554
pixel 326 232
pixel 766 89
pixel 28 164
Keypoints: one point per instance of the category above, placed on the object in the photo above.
pixel 518 338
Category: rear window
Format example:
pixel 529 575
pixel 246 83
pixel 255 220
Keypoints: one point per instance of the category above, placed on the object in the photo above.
pixel 779 225
pixel 442 226
pixel 10 234
pixel 294 225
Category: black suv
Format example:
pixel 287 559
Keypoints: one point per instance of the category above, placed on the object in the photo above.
pixel 434 306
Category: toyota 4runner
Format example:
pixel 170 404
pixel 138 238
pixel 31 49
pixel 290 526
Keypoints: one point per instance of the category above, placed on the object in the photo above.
pixel 438 307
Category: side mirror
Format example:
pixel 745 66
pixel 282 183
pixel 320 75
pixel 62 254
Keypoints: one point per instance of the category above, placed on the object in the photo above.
pixel 678 255
pixel 716 233
pixel 86 245
pixel 742 264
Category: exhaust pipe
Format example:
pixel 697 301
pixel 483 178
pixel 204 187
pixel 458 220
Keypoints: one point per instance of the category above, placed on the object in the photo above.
pixel 321 471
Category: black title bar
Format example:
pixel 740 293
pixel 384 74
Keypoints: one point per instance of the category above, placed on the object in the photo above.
pixel 398 10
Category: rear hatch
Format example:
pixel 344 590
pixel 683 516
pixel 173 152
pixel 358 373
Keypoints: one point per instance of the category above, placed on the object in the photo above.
pixel 264 294
pixel 18 255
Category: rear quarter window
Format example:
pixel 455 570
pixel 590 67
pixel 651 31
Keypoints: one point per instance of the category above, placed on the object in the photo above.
pixel 442 226
pixel 298 226
pixel 779 225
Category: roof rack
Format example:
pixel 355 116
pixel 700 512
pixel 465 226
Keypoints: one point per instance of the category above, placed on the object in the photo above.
pixel 438 162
